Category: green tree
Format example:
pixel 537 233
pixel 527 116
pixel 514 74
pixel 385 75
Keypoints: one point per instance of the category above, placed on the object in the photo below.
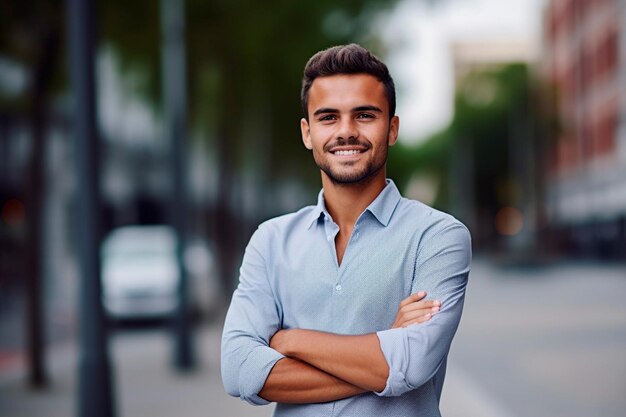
pixel 497 124
pixel 245 62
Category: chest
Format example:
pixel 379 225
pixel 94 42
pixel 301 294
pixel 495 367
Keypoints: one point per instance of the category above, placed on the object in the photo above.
pixel 357 296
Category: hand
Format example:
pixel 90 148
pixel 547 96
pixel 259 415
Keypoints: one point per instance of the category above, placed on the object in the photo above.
pixel 415 310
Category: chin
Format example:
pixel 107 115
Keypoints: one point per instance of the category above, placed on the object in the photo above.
pixel 351 178
pixel 351 174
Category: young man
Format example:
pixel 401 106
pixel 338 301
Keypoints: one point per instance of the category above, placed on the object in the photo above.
pixel 348 307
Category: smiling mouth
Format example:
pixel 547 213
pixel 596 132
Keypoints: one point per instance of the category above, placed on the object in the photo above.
pixel 348 152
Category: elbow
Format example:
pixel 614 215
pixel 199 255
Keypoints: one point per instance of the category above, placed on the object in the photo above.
pixel 234 389
pixel 231 369
pixel 415 381
pixel 230 380
pixel 231 388
pixel 400 382
pixel 237 381
pixel 415 378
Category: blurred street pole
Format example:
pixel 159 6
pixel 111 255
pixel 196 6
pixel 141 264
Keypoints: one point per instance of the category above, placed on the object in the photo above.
pixel 175 111
pixel 95 394
pixel 33 268
pixel 48 39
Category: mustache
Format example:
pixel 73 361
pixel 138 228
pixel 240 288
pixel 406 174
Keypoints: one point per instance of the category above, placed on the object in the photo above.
pixel 351 141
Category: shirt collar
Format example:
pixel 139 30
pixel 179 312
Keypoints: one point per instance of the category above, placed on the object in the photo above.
pixel 318 210
pixel 382 207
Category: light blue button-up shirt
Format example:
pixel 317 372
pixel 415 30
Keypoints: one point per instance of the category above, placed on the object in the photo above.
pixel 290 278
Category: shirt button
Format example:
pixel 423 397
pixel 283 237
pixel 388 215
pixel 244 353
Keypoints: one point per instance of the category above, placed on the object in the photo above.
pixel 329 237
pixel 338 287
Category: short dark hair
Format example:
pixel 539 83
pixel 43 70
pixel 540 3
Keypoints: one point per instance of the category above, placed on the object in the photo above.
pixel 346 59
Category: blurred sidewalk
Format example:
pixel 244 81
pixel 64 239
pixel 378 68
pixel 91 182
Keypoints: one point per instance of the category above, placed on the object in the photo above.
pixel 146 384
pixel 148 387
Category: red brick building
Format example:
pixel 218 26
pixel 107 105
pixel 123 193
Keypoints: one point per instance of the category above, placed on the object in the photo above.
pixel 584 58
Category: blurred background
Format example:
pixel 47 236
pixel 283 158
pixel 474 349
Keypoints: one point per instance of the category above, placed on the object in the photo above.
pixel 513 119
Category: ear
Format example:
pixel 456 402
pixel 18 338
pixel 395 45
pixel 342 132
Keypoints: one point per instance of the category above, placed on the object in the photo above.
pixel 394 126
pixel 306 133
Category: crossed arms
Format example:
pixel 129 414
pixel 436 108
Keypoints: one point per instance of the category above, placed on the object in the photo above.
pixel 321 367
pixel 262 363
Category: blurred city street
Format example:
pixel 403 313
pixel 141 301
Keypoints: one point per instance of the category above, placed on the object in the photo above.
pixel 144 382
pixel 135 165
pixel 541 340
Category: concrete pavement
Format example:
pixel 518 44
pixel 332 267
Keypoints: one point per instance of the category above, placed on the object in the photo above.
pixel 145 383
pixel 546 340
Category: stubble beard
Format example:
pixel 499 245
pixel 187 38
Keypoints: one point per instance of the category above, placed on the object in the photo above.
pixel 353 177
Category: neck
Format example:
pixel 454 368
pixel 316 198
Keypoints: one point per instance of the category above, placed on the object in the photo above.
pixel 346 202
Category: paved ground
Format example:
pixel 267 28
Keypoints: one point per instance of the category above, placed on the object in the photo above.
pixel 146 385
pixel 543 341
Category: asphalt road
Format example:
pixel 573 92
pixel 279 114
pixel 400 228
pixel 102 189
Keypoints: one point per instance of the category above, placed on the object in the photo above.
pixel 541 341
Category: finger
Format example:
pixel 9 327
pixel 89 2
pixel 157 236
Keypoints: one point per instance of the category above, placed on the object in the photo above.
pixel 413 298
pixel 417 313
pixel 418 320
pixel 418 305
pixel 407 316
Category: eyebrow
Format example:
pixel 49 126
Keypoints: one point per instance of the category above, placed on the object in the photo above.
pixel 367 108
pixel 325 110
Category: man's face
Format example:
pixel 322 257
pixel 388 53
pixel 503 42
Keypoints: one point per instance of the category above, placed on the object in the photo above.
pixel 349 129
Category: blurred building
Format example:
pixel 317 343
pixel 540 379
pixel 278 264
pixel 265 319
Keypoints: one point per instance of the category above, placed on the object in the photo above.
pixel 474 63
pixel 584 58
pixel 469 56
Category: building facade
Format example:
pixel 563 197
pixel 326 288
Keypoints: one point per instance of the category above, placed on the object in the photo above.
pixel 584 59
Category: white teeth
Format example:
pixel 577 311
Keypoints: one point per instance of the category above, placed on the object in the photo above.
pixel 350 152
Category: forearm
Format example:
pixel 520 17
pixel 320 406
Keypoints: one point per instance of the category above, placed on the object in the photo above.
pixel 357 360
pixel 295 382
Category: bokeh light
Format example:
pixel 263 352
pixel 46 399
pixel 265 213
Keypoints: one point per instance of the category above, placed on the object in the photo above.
pixel 509 221
pixel 13 212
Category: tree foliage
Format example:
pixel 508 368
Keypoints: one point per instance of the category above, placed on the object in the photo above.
pixel 245 62
pixel 492 108
pixel 244 69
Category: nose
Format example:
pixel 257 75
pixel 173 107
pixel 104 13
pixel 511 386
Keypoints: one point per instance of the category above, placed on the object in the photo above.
pixel 347 129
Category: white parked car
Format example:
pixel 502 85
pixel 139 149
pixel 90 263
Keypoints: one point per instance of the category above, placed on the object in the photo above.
pixel 140 275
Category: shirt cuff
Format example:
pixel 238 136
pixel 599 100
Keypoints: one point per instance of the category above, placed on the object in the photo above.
pixel 394 344
pixel 254 372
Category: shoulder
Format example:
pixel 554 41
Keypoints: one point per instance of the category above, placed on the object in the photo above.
pixel 283 225
pixel 433 229
pixel 426 219
pixel 440 239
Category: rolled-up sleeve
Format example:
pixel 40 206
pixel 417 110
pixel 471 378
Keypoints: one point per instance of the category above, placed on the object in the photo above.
pixel 415 353
pixel 252 319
